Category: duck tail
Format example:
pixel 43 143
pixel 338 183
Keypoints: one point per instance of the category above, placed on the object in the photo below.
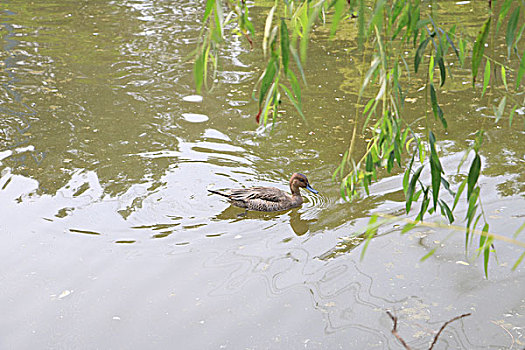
pixel 219 193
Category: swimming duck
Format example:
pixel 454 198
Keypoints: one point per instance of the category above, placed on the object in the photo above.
pixel 268 198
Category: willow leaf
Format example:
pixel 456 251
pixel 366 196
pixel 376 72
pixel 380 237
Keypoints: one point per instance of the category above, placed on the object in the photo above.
pixel 518 262
pixel 293 100
pixel 419 53
pixel 503 13
pixel 447 210
pixel 285 45
pixel 458 193
pixel 429 254
pixel 267 28
pixel 198 72
pixel 501 108
pixel 339 8
pixel 442 70
pixel 209 6
pixel 267 80
pixel 486 77
pixel 370 232
pixel 504 77
pixel 473 174
pixel 521 71
pixel 479 48
pixel 411 188
pixel 511 116
pixel 511 29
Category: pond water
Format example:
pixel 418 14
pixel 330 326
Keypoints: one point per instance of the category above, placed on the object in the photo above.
pixel 109 238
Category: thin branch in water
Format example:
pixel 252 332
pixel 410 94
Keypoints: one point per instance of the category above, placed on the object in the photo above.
pixel 394 331
pixel 508 332
pixel 403 342
pixel 443 327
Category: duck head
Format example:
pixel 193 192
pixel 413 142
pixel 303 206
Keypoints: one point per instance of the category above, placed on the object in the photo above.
pixel 299 180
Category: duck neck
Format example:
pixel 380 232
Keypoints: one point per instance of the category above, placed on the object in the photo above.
pixel 295 191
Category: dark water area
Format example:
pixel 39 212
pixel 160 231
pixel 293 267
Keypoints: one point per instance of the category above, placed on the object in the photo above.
pixel 110 239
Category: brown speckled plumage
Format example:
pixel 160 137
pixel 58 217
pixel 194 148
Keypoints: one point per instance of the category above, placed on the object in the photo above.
pixel 268 198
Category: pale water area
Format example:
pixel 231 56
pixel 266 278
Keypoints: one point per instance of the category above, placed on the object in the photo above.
pixel 109 238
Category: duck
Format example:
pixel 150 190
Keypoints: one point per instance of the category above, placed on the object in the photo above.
pixel 268 198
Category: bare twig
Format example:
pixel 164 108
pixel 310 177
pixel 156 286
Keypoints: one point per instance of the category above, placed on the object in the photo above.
pixel 402 341
pixel 509 333
pixel 394 331
pixel 443 327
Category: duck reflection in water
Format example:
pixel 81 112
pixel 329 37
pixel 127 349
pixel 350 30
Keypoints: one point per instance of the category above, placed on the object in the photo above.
pixel 269 199
pixel 299 225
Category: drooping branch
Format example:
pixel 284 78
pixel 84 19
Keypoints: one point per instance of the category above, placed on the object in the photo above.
pixel 443 327
pixel 403 342
pixel 394 331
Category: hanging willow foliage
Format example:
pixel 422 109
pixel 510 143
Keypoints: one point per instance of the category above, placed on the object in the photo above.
pixel 381 26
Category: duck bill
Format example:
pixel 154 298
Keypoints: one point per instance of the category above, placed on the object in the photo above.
pixel 310 188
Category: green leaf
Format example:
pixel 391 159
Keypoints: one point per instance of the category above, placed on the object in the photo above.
pixel 424 205
pixel 521 71
pixel 486 250
pixel 408 227
pixel 219 17
pixel 398 6
pixel 451 43
pixel 521 228
pixel 411 188
pixel 298 63
pixel 198 72
pixel 267 80
pixel 435 169
pixel 518 262
pixel 479 140
pixel 267 29
pixel 431 66
pixel 429 254
pixel 419 53
pixel 285 45
pixel 369 233
pixel 407 174
pixel 438 112
pixel 377 17
pixel 501 108
pixel 375 63
pixel 447 211
pixel 446 185
pixel 292 99
pixel 267 103
pixel 209 6
pixel 479 48
pixel 471 210
pixel 295 86
pixel 503 12
pixel 442 70
pixel 368 105
pixel 461 51
pixel 486 255
pixel 504 77
pixel 511 116
pixel 312 16
pixel 339 8
pixel 473 174
pixel 458 193
pixel 486 77
pixel 511 29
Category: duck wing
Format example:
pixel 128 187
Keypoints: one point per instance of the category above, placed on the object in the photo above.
pixel 270 194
